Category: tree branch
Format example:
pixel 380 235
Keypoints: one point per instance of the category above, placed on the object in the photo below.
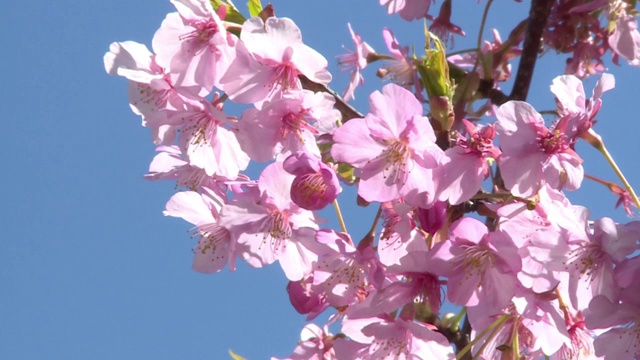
pixel 538 16
pixel 348 112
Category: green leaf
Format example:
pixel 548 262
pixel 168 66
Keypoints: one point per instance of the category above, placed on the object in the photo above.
pixel 235 356
pixel 255 7
pixel 347 173
pixel 233 15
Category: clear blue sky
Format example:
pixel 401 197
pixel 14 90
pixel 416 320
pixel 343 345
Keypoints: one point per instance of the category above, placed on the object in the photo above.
pixel 89 266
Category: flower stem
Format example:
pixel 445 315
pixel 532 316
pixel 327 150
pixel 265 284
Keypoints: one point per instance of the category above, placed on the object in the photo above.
pixel 372 231
pixel 479 43
pixel 496 324
pixel 600 146
pixel 456 321
pixel 339 214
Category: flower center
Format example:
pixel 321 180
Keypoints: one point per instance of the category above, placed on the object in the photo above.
pixel 204 31
pixel 588 260
pixel 553 142
pixel 287 76
pixel 310 185
pixel 202 128
pixel 295 123
pixel 211 236
pixel 474 258
pixel 397 157
pixel 276 230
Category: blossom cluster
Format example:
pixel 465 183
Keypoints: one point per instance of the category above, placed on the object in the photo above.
pixel 538 278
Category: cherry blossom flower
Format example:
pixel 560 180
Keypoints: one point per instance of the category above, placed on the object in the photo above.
pixel 542 236
pixel 572 102
pixel 412 281
pixel 215 246
pixel 625 39
pixel 408 9
pixel 194 44
pixel 354 61
pixel 481 265
pixel 151 89
pixel 622 319
pixel 393 148
pixel 271 225
pixel 401 69
pixel 399 235
pixel 269 60
pixel 342 271
pixel 387 338
pixel 206 141
pixel 286 125
pixel 464 166
pixel 442 25
pixel 541 314
pixel 581 347
pixel 315 344
pixel 534 155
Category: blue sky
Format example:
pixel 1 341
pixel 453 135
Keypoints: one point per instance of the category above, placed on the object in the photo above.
pixel 89 266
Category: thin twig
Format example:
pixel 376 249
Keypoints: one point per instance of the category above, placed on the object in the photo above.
pixel 538 17
pixel 348 112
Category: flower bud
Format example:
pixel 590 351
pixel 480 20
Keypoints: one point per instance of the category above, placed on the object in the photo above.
pixel 433 218
pixel 315 185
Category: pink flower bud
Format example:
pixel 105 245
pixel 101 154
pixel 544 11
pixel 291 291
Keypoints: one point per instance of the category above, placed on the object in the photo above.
pixel 315 185
pixel 304 300
pixel 433 218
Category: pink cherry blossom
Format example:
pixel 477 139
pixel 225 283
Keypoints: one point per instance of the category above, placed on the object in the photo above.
pixel 271 225
pixel 581 347
pixel 401 69
pixel 621 341
pixel 542 236
pixel 408 9
pixel 286 125
pixel 215 245
pixel 625 39
pixel 393 148
pixel 207 142
pixel 442 25
pixel 399 236
pixel 151 89
pixel 502 341
pixel 591 261
pixel 464 166
pixel 481 265
pixel 168 164
pixel 194 44
pixel 541 314
pixel 354 61
pixel 534 155
pixel 342 271
pixel 573 104
pixel 269 60
pixel 315 344
pixel 388 338
pixel 411 281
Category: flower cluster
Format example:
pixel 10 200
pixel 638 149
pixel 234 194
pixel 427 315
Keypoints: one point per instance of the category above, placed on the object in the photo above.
pixel 538 278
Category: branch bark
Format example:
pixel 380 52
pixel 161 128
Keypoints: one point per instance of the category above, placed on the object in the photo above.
pixel 348 112
pixel 538 16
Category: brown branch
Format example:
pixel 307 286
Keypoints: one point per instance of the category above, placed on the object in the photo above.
pixel 487 90
pixel 348 112
pixel 538 16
